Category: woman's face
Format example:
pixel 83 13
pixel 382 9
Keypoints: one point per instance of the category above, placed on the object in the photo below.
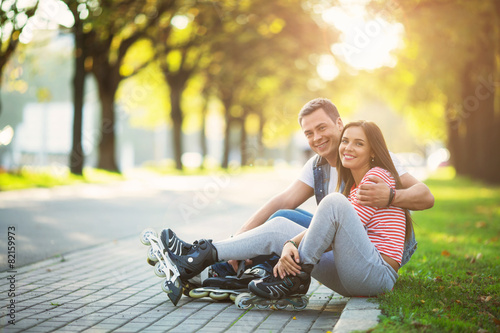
pixel 355 151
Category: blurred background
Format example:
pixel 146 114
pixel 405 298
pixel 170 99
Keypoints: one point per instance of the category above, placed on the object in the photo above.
pixel 117 85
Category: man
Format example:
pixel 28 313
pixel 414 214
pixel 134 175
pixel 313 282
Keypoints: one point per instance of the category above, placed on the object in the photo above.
pixel 322 126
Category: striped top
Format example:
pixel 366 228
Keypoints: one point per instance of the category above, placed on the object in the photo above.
pixel 385 226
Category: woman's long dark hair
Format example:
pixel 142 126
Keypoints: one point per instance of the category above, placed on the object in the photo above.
pixel 382 159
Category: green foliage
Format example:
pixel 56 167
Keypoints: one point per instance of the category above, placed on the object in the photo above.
pixel 444 78
pixel 452 283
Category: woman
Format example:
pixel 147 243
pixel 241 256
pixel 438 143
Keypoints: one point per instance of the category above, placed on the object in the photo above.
pixel 354 250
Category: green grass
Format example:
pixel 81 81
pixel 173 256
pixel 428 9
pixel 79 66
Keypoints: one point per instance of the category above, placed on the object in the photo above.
pixel 30 177
pixel 46 177
pixel 452 283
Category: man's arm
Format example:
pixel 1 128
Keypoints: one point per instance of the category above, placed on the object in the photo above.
pixel 295 195
pixel 414 195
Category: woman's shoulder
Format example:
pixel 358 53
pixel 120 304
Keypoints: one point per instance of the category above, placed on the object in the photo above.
pixel 384 174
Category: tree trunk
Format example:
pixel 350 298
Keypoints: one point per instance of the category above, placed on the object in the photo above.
pixel 485 93
pixel 227 132
pixel 77 157
pixel 260 137
pixel 467 124
pixel 107 145
pixel 478 114
pixel 177 119
pixel 203 135
pixel 244 148
pixel 454 139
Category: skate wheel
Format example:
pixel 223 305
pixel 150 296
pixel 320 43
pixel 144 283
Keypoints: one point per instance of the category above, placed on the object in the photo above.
pixel 198 294
pixel 232 297
pixel 302 304
pixel 166 288
pixel 263 306
pixel 243 302
pixel 158 270
pixel 146 234
pixel 151 262
pixel 281 306
pixel 217 296
pixel 151 254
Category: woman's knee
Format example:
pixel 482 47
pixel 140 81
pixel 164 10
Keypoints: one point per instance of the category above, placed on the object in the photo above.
pixel 335 199
pixel 337 207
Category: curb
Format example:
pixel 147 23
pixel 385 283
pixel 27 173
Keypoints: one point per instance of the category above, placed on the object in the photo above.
pixel 359 314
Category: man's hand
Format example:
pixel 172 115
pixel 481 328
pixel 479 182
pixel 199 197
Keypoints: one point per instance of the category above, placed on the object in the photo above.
pixel 375 195
pixel 235 264
pixel 288 263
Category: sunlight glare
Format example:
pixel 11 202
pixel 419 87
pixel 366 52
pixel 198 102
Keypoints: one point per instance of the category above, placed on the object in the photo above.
pixel 364 43
pixel 327 69
pixel 49 15
pixel 180 21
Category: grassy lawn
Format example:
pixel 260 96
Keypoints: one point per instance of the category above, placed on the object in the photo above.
pixel 30 177
pixel 452 283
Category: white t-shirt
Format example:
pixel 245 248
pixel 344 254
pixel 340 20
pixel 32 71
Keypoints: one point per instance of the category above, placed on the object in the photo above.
pixel 307 175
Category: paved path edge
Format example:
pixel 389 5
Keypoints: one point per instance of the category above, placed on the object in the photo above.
pixel 359 314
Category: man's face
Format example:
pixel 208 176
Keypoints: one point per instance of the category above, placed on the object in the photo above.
pixel 322 134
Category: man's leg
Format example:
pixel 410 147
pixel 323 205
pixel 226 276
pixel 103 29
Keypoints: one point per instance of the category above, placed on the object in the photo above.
pixel 265 239
pixel 299 216
pixel 267 262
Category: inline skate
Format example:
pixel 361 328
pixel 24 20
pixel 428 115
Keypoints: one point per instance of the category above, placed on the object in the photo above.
pixel 228 287
pixel 163 265
pixel 277 292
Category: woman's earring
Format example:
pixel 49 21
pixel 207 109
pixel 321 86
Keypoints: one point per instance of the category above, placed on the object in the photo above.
pixel 373 159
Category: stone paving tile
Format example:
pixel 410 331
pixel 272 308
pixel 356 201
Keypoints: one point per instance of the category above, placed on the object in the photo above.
pixel 54 297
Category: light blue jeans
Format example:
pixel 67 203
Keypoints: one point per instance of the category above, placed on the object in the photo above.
pixel 353 268
pixel 299 216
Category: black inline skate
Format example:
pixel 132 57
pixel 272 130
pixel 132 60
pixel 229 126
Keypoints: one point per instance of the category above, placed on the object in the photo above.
pixel 201 255
pixel 163 265
pixel 277 292
pixel 228 287
pixel 171 242
pixel 174 244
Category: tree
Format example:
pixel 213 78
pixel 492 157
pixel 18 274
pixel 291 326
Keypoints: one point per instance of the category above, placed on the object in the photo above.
pixel 180 51
pixel 261 39
pixel 116 27
pixel 14 18
pixel 77 156
pixel 454 70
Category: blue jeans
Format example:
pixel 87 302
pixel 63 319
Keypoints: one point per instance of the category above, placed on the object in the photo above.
pixel 299 216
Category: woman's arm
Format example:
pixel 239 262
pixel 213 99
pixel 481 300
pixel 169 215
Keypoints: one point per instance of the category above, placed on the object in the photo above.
pixel 289 261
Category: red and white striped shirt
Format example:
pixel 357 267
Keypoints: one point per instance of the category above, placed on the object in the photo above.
pixel 385 226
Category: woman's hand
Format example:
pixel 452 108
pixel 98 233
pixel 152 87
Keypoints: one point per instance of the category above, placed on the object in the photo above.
pixel 288 263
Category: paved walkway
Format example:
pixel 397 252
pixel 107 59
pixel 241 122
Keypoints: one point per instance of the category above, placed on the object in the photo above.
pixel 111 288
pixel 107 286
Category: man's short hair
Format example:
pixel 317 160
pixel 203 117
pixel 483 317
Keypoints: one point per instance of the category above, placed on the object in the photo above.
pixel 319 103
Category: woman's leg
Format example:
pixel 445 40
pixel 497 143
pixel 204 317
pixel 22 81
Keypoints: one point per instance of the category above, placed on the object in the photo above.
pixel 354 267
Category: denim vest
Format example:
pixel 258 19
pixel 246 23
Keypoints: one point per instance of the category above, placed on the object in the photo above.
pixel 321 172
